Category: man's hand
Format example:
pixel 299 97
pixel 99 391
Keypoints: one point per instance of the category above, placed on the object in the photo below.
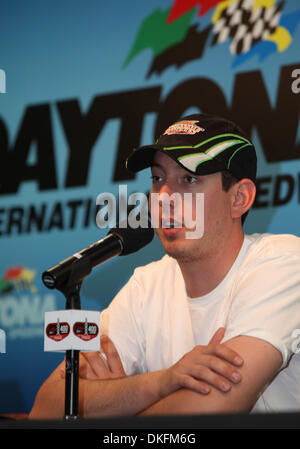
pixel 93 366
pixel 204 366
pixel 211 365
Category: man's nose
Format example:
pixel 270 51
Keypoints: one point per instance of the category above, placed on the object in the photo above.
pixel 164 194
pixel 166 189
pixel 169 199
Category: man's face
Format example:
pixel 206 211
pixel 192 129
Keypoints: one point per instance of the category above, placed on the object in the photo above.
pixel 169 178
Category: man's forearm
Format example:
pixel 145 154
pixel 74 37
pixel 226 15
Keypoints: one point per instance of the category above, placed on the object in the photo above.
pixel 110 397
pixel 123 396
pixel 49 401
pixel 242 395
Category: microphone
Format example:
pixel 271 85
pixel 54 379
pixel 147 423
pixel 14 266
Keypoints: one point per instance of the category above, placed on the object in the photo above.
pixel 118 242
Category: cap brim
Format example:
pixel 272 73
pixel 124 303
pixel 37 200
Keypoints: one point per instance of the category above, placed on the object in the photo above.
pixel 142 158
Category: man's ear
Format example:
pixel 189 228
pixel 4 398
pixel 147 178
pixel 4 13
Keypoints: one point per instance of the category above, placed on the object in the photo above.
pixel 243 195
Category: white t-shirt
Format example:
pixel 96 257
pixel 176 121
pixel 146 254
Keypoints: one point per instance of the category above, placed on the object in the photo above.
pixel 153 323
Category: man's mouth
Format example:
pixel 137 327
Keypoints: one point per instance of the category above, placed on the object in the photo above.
pixel 171 227
pixel 171 224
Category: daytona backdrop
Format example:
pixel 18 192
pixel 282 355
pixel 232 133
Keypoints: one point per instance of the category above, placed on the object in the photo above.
pixel 84 82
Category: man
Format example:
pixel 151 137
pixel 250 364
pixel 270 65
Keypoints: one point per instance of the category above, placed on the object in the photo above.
pixel 209 327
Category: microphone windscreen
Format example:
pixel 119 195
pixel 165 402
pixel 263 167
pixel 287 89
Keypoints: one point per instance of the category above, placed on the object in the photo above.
pixel 133 239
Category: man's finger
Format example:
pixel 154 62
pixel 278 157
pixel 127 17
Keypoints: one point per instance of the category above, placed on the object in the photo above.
pixel 85 369
pixel 226 353
pixel 112 356
pixel 97 364
pixel 223 351
pixel 218 336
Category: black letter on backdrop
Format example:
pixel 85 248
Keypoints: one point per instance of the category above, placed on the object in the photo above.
pixel 196 92
pixel 261 191
pixel 280 199
pixel 82 130
pixel 35 128
pixel 277 127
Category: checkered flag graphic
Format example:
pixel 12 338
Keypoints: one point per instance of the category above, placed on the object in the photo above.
pixel 245 24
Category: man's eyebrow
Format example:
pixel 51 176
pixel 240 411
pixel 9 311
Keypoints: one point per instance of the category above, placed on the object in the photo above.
pixel 155 164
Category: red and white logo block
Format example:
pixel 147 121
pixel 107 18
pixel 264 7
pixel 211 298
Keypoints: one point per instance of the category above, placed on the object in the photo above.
pixel 72 329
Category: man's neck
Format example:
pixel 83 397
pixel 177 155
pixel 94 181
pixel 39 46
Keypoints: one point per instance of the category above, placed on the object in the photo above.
pixel 203 275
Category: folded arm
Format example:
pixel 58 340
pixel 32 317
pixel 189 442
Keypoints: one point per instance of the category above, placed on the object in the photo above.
pixel 105 390
pixel 195 384
pixel 108 397
pixel 262 361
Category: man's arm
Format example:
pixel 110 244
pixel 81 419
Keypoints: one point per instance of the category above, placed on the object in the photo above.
pixel 106 390
pixel 261 363
pixel 108 397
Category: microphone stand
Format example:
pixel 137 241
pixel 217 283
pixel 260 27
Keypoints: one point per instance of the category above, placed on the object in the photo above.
pixel 72 295
pixel 71 291
pixel 67 277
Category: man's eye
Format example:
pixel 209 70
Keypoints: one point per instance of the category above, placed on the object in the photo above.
pixel 156 178
pixel 190 179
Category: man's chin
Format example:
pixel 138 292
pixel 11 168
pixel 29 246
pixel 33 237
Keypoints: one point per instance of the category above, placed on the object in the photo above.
pixel 182 250
pixel 177 249
pixel 183 256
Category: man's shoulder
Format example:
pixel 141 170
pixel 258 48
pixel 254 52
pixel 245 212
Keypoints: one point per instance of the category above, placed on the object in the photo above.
pixel 273 245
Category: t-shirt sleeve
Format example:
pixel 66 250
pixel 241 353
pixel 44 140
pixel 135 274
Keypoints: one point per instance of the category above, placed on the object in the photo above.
pixel 122 322
pixel 266 303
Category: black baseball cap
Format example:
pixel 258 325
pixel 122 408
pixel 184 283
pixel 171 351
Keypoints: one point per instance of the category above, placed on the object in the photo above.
pixel 202 144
